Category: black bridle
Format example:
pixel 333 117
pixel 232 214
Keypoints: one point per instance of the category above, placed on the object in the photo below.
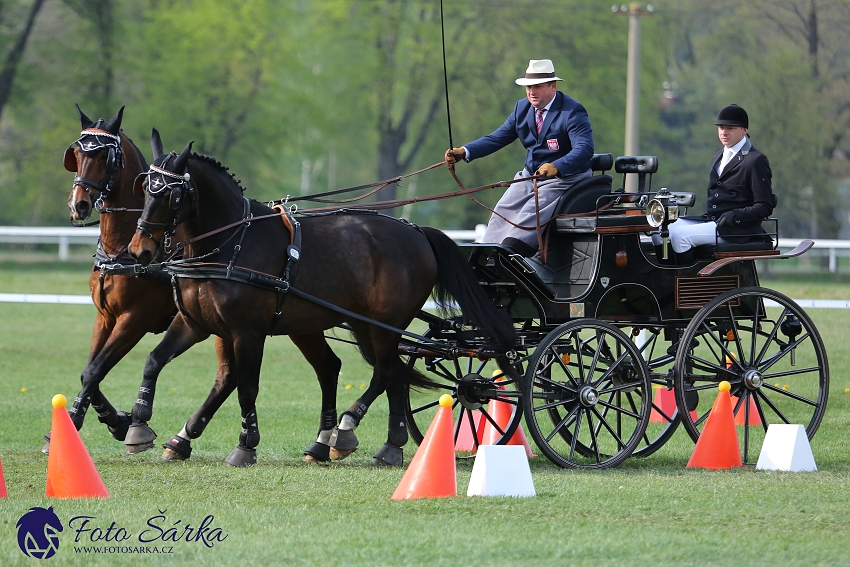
pixel 181 193
pixel 90 141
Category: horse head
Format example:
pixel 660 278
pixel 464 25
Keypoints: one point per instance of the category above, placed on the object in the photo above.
pixel 95 157
pixel 169 199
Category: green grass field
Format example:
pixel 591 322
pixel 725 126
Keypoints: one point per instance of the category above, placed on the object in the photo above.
pixel 651 511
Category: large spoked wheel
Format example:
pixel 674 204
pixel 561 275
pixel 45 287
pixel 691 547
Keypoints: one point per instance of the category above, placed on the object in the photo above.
pixel 486 404
pixel 768 349
pixel 587 399
pixel 664 415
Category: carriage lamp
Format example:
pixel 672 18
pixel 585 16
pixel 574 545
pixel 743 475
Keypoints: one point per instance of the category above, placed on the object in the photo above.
pixel 661 208
pixel 660 212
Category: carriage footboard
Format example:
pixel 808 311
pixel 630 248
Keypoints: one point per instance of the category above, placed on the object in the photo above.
pixel 801 249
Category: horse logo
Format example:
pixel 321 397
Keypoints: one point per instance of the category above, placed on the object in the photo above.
pixel 38 533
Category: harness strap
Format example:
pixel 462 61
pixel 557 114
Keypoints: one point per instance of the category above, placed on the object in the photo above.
pixel 265 281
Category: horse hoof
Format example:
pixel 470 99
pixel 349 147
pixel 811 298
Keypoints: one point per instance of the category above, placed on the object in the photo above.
pixel 177 449
pixel 140 448
pixel 343 440
pixel 46 448
pixel 169 455
pixel 337 455
pixel 388 456
pixel 140 434
pixel 119 432
pixel 317 453
pixel 241 457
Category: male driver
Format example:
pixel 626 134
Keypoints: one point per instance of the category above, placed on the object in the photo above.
pixel 555 130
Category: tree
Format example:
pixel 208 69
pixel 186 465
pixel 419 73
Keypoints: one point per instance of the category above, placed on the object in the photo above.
pixel 16 52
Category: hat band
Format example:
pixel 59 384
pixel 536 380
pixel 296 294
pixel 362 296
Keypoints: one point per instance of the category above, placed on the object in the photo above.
pixel 540 75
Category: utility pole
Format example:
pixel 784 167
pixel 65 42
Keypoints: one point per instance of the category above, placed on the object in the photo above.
pixel 635 12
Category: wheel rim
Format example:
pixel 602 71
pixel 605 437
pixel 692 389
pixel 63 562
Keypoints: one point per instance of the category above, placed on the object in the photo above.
pixel 587 399
pixel 486 403
pixel 769 350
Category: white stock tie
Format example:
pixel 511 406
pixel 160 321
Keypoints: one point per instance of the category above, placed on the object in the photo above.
pixel 727 156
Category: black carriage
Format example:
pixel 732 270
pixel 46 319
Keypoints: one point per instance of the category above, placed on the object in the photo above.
pixel 609 324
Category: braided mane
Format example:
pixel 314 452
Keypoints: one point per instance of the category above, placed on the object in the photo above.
pixel 220 166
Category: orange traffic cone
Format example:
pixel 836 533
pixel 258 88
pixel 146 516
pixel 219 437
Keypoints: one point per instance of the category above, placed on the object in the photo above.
pixel 501 414
pixel 717 446
pixel 3 493
pixel 464 441
pixel 70 470
pixel 432 472
pixel 754 412
pixel 666 400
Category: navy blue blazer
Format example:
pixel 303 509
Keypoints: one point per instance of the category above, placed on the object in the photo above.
pixel 565 140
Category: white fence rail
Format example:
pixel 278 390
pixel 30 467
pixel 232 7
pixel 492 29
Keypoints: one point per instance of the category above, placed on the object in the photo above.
pixel 65 236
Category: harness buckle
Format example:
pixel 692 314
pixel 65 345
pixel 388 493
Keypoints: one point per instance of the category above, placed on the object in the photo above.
pixel 283 287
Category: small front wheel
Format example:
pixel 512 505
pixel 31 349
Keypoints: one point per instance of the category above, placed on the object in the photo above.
pixel 587 400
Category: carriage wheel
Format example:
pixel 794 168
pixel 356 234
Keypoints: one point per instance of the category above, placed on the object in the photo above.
pixel 486 404
pixel 664 418
pixel 587 398
pixel 768 349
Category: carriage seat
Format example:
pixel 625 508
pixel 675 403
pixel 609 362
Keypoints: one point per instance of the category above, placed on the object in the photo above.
pixel 581 197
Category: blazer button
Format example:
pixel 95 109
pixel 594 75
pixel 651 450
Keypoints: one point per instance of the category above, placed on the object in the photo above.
pixel 717 194
pixel 713 206
pixel 719 183
pixel 713 218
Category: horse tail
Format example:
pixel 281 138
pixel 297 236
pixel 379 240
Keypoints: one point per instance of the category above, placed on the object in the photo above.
pixel 456 280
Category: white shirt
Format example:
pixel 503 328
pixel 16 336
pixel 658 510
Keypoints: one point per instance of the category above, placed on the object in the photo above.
pixel 729 153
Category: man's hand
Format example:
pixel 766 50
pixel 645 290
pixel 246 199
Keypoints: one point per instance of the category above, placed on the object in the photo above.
pixel 453 155
pixel 547 169
pixel 726 219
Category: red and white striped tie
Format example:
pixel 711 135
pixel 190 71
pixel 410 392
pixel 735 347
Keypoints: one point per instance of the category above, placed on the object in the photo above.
pixel 540 112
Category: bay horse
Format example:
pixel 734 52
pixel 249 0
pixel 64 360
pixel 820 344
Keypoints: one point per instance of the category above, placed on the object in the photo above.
pixel 244 264
pixel 129 303
pixel 106 163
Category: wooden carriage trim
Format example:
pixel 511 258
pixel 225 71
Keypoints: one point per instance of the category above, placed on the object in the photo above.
pixel 801 248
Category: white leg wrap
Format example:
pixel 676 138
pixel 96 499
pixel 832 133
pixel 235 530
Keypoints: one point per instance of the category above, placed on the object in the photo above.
pixel 183 433
pixel 324 436
pixel 347 423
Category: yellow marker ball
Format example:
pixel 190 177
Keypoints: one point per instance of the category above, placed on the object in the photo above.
pixel 846 390
pixel 724 386
pixel 445 401
pixel 23 390
pixel 59 401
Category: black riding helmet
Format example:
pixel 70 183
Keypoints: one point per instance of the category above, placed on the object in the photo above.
pixel 733 115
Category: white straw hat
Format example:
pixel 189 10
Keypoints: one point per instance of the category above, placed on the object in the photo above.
pixel 539 71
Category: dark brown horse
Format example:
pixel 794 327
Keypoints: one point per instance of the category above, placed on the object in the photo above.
pixel 106 163
pixel 247 271
pixel 129 304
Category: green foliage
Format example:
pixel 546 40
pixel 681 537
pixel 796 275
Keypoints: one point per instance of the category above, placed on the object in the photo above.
pixel 300 97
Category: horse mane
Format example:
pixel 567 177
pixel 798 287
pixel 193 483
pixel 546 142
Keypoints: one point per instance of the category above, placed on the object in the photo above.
pixel 139 153
pixel 219 166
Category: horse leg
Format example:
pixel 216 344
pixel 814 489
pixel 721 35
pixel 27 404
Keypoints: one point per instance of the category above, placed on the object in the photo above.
pixel 178 338
pixel 110 343
pixel 179 447
pixel 343 441
pixel 391 454
pixel 326 365
pixel 249 359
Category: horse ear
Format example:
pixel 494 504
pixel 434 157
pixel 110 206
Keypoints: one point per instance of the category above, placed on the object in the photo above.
pixel 114 125
pixel 139 185
pixel 71 160
pixel 156 144
pixel 181 163
pixel 85 121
